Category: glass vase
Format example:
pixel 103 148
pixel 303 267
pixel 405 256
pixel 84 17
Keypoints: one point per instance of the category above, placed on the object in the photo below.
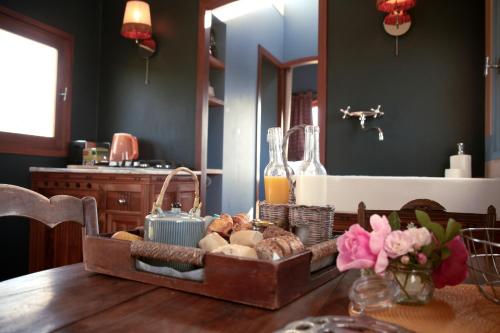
pixel 415 286
pixel 371 292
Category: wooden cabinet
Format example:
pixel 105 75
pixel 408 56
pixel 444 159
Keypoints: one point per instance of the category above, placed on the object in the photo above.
pixel 123 201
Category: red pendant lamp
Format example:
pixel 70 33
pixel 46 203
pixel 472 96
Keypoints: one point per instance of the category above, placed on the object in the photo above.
pixel 397 18
pixel 389 6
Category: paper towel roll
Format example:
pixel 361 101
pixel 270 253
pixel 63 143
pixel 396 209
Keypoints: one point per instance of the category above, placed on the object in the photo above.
pixel 454 173
pixel 461 162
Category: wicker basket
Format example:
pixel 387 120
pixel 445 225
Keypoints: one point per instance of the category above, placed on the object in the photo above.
pixel 313 224
pixel 275 213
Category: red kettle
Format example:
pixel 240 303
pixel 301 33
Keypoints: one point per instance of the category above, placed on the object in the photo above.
pixel 124 147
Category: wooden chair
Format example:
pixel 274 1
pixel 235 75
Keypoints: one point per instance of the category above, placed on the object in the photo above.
pixel 436 211
pixel 18 201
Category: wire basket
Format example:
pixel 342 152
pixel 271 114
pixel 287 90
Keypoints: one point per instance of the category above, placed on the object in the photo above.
pixel 484 262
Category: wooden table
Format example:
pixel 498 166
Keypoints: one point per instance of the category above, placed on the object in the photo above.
pixel 70 299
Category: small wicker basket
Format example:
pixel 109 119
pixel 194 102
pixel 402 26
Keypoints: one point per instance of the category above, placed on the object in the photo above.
pixel 275 213
pixel 313 224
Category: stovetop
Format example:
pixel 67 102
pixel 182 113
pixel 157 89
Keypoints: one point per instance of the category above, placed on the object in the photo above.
pixel 143 164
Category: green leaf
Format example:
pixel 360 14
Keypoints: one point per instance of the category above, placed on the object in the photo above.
pixel 445 253
pixel 452 229
pixel 427 249
pixel 435 228
pixel 394 221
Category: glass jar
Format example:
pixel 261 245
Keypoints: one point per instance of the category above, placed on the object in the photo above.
pixel 276 186
pixel 414 285
pixel 371 292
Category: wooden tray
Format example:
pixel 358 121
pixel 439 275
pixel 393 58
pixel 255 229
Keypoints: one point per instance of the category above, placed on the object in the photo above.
pixel 260 283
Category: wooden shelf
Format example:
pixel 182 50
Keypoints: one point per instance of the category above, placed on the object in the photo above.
pixel 214 171
pixel 214 101
pixel 216 63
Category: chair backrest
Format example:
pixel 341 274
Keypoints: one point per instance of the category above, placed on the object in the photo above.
pixel 436 211
pixel 18 201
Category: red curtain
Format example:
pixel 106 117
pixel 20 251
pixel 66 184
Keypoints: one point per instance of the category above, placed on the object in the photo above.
pixel 300 113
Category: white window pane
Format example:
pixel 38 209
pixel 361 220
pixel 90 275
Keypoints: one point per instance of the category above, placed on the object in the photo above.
pixel 28 81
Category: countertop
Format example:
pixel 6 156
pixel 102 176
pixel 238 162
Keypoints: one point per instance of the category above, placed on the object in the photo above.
pixel 460 195
pixel 104 169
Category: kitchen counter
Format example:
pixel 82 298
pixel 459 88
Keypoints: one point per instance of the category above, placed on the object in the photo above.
pixel 105 169
pixel 124 197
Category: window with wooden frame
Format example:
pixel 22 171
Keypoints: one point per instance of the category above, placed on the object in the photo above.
pixel 35 86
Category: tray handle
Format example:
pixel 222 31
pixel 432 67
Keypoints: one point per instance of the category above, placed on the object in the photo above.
pixel 284 152
pixel 159 201
pixel 167 252
pixel 195 256
pixel 323 250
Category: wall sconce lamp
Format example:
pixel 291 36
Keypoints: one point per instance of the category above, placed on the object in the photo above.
pixel 137 25
pixel 397 21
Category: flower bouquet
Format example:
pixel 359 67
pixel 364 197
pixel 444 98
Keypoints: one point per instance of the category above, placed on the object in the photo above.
pixel 417 259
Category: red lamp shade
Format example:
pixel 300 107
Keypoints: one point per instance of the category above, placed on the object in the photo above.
pixel 137 20
pixel 397 18
pixel 389 6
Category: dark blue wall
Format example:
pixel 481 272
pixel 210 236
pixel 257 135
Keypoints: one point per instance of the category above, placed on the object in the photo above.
pixel 305 78
pixel 432 93
pixel 161 114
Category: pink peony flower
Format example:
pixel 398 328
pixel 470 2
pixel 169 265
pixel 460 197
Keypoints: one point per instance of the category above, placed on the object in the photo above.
pixel 398 243
pixel 419 236
pixel 381 228
pixel 452 270
pixel 405 260
pixel 354 249
pixel 421 258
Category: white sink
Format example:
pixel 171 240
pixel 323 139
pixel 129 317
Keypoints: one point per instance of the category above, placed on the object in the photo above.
pixel 461 195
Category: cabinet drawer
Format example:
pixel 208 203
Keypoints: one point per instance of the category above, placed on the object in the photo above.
pixel 124 201
pixel 117 222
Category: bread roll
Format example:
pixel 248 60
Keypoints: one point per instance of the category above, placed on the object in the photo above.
pixel 226 217
pixel 241 222
pixel 268 249
pixel 279 247
pixel 223 226
pixel 237 250
pixel 274 231
pixel 246 237
pixel 123 235
pixel 212 241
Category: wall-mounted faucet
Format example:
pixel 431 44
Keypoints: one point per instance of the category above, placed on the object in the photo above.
pixel 362 115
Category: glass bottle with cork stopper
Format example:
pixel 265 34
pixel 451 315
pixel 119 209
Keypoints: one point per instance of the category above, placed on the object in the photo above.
pixel 276 185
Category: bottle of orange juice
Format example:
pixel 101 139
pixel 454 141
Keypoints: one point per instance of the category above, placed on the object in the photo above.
pixel 276 185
